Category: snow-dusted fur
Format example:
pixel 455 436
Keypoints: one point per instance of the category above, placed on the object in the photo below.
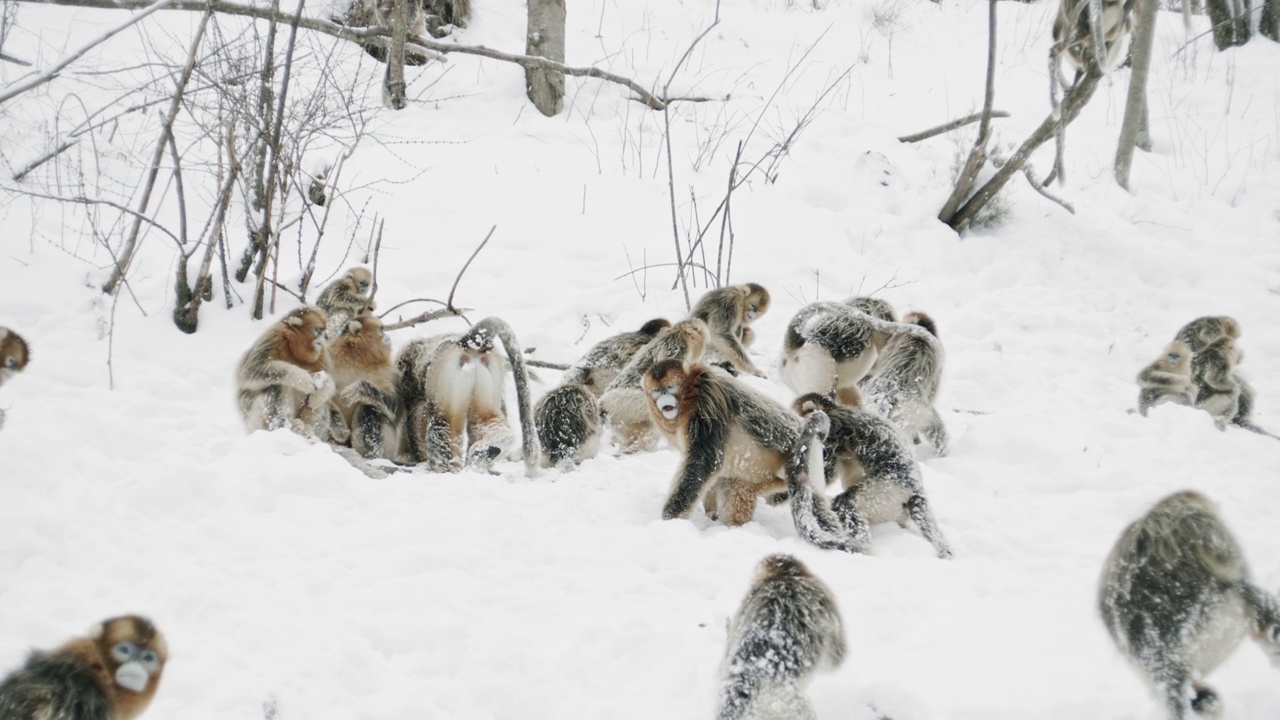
pixel 1176 597
pixel 787 628
pixel 903 384
pixel 811 512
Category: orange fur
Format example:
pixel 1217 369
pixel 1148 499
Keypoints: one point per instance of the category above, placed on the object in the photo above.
pixel 295 339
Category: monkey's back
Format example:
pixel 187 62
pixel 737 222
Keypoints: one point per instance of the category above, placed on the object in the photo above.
pixel 53 687
pixel 1167 578
pixel 876 443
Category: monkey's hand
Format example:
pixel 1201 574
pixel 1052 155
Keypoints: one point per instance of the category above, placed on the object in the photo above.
pixel 321 390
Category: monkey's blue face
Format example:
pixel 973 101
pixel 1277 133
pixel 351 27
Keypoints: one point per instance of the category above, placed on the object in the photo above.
pixel 364 286
pixel 136 665
pixel 1173 359
pixel 664 398
pixel 318 342
pixel 752 313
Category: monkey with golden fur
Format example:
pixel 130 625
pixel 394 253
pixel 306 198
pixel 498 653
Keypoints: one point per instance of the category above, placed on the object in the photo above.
pixel 787 628
pixel 878 470
pixel 453 388
pixel 624 402
pixel 1176 597
pixel 736 442
pixel 14 354
pixel 728 313
pixel 110 674
pixel 282 381
pixel 366 383
pixel 345 298
pixel 1167 379
pixel 568 418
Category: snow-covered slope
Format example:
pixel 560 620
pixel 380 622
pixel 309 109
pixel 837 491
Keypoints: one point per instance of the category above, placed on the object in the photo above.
pixel 282 575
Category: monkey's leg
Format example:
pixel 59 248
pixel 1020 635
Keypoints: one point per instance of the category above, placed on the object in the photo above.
pixel 928 524
pixel 1173 684
pixel 339 433
pixel 443 442
pixel 1264 613
pixel 1206 703
pixel 936 433
pixel 846 508
pixel 489 437
pixel 268 411
pixel 366 436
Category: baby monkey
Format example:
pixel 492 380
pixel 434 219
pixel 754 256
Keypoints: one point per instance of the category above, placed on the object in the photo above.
pixel 109 674
pixel 14 354
pixel 1168 379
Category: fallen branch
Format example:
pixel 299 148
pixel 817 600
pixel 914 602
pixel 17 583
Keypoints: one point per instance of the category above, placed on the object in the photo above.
pixel 948 127
pixel 544 364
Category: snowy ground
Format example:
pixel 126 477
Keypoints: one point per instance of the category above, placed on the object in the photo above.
pixel 280 574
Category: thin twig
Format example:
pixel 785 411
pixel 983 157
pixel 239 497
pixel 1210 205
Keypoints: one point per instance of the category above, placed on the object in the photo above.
pixel 449 303
pixel 44 77
pixel 427 317
pixel 948 127
pixel 377 247
pixel 44 159
pixel 544 364
pixel 389 310
pixel 1029 173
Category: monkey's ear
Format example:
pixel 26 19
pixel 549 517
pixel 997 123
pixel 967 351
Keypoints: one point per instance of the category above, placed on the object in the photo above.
pixel 95 631
pixel 294 319
pixel 353 327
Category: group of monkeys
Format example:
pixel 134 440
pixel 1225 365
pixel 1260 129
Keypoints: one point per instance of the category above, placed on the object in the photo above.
pixel 1175 592
pixel 1175 595
pixel 1199 369
pixel 328 372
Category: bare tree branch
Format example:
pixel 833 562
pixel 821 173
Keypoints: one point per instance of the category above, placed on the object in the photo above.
pixel 131 245
pixel 948 127
pixel 1049 196
pixel 427 317
pixel 44 77
pixel 449 303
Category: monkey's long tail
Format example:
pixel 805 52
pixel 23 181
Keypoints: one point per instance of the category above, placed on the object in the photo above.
pixel 515 355
pixel 1255 429
pixel 814 519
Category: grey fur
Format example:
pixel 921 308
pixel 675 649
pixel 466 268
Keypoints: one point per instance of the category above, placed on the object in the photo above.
pixel 1175 596
pixel 727 316
pixel 903 384
pixel 1204 331
pixel 875 307
pixel 345 298
pixel 1167 379
pixel 787 628
pixel 54 686
pixel 1071 28
pixel 879 471
pixel 829 345
pixel 811 512
pixel 601 364
pixel 569 425
pixel 1217 387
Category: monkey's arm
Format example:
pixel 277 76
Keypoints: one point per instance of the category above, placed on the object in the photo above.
pixel 260 373
pixel 705 454
pixel 735 353
pixel 1153 378
pixel 366 393
pixel 1265 612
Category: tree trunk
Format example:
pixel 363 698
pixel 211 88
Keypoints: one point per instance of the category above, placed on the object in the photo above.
pixel 1134 127
pixel 545 87
pixel 1269 24
pixel 393 83
pixel 1225 23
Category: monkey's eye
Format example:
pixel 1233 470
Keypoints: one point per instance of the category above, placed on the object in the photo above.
pixel 363 285
pixel 149 659
pixel 125 651
pixel 319 332
pixel 11 362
